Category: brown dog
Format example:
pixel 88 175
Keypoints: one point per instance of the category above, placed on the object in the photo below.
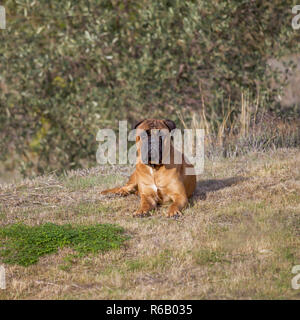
pixel 155 181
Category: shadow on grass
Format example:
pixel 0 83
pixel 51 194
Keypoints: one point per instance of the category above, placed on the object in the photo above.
pixel 211 185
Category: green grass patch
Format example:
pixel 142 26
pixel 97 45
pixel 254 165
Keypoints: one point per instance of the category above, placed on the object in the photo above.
pixel 23 245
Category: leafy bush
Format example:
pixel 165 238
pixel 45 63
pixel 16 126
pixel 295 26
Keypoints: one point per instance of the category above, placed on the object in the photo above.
pixel 70 68
pixel 23 245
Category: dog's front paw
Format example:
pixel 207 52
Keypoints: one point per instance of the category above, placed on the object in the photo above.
pixel 104 192
pixel 174 212
pixel 140 213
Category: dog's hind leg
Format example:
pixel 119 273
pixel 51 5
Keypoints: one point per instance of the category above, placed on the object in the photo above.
pixel 130 187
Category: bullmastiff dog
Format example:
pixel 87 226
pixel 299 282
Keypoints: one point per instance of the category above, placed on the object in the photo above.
pixel 157 177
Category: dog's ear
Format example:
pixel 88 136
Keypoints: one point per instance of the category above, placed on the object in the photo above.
pixel 170 124
pixel 138 123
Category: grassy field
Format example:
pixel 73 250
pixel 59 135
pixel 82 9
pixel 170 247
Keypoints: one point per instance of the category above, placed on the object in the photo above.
pixel 238 239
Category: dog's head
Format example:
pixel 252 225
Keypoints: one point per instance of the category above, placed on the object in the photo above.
pixel 153 139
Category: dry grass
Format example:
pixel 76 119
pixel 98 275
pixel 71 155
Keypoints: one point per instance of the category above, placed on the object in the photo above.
pixel 239 238
pixel 244 128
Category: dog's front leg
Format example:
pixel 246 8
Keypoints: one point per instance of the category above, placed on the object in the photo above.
pixel 148 201
pixel 130 187
pixel 179 202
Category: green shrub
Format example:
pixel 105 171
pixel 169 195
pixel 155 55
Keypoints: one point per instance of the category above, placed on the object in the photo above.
pixel 23 245
pixel 70 68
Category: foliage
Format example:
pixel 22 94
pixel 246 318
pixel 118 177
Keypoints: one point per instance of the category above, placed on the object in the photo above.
pixel 69 68
pixel 23 245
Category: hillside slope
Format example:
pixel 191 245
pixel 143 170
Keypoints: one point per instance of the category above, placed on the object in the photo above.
pixel 239 237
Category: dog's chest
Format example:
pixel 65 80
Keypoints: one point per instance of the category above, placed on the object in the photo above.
pixel 158 187
pixel 155 185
